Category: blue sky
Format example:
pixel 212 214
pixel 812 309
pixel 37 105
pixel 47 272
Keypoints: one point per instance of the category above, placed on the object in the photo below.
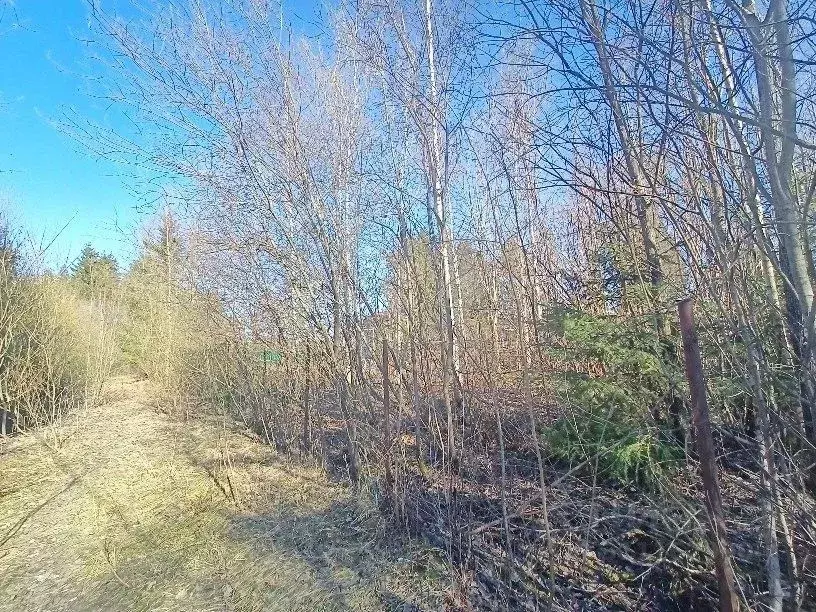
pixel 47 180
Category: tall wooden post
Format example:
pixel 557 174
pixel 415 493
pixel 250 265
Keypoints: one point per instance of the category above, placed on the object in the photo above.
pixel 704 442
pixel 307 409
pixel 386 370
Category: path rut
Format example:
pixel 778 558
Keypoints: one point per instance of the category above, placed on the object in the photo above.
pixel 137 510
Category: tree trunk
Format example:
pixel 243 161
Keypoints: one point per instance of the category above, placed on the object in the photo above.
pixel 778 139
pixel 643 195
pixel 445 257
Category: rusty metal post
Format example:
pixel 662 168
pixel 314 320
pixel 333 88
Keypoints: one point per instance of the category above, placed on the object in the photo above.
pixel 704 442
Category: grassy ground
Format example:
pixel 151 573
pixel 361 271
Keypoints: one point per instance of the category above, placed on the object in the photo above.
pixel 135 510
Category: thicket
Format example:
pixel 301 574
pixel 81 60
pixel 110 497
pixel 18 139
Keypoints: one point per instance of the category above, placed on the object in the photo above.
pixel 444 254
pixel 56 341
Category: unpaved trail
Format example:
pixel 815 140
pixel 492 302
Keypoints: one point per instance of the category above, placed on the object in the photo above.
pixel 136 510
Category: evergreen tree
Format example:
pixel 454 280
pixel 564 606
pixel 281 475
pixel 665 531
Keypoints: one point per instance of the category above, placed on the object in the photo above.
pixel 97 273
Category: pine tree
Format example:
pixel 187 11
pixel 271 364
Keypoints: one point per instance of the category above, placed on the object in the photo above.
pixel 95 272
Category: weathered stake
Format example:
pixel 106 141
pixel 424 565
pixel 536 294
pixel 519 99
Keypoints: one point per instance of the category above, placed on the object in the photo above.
pixel 389 478
pixel 307 412
pixel 704 442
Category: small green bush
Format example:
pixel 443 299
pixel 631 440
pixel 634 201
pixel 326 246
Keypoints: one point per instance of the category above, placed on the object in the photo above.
pixel 612 423
pixel 628 349
pixel 623 452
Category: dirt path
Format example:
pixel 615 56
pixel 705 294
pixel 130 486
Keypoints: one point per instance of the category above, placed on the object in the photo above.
pixel 135 510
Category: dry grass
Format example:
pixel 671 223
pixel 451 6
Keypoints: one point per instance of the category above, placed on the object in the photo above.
pixel 138 511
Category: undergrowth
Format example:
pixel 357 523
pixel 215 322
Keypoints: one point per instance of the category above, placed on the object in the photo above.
pixel 611 424
pixel 620 451
pixel 56 346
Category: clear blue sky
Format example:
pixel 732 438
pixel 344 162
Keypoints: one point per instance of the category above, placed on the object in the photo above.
pixel 47 180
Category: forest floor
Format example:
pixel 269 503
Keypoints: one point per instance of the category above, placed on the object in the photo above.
pixel 123 507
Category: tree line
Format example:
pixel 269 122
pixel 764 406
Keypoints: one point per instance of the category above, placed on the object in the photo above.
pixel 441 245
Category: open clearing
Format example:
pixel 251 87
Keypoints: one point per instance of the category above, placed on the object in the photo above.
pixel 136 510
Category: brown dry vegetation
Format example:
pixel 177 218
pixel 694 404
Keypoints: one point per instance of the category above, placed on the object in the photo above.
pixel 528 284
pixel 137 510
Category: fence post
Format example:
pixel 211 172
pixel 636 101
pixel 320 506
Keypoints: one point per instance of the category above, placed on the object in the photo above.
pixel 386 370
pixel 704 443
pixel 307 409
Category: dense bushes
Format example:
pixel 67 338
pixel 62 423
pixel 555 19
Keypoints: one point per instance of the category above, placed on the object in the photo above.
pixel 56 347
pixel 177 335
pixel 61 336
pixel 160 334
